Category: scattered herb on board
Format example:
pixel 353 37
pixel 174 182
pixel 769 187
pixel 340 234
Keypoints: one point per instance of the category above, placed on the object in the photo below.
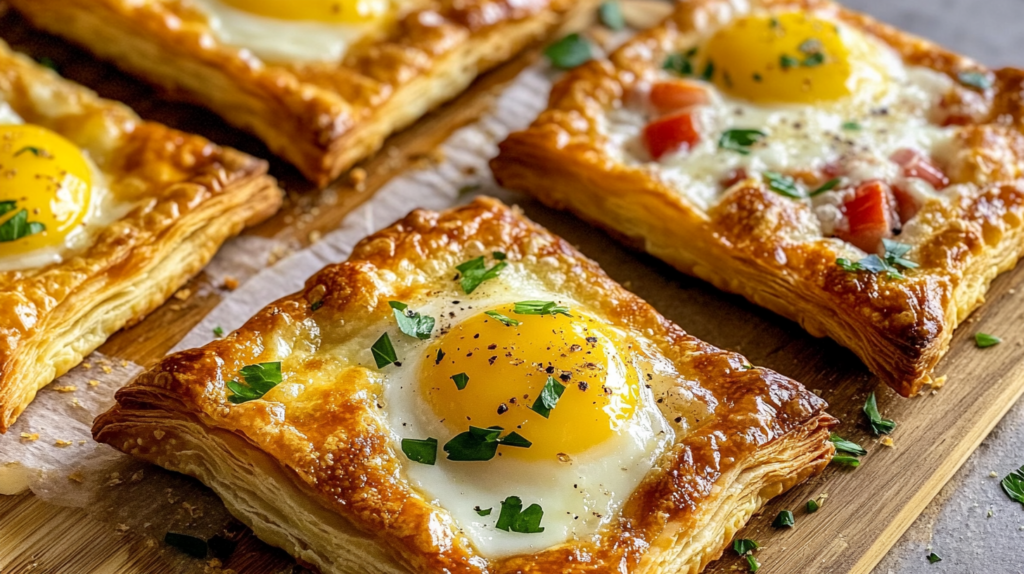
pixel 548 397
pixel 611 16
pixel 259 379
pixel 744 546
pixel 480 444
pixel 383 352
pixel 195 547
pixel 540 308
pixel 423 451
pixel 784 520
pixel 933 558
pixel 218 331
pixel 475 271
pixel 569 52
pixel 812 506
pixel 846 446
pixel 740 140
pixel 878 425
pixel 752 563
pixel 410 322
pixel 844 460
pixel 513 518
pixel 1013 485
pixel 984 340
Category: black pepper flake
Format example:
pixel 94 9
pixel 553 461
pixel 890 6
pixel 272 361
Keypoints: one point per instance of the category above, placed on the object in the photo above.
pixel 550 370
pixel 574 348
pixel 492 359
pixel 565 376
pixel 492 347
pixel 502 409
pixel 583 385
pixel 679 419
pixel 398 363
pixel 592 340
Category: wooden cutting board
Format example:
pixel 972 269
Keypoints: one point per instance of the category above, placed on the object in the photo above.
pixel 865 511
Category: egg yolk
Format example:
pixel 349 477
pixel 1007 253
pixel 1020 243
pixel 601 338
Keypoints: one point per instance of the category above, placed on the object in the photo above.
pixel 790 57
pixel 46 177
pixel 328 11
pixel 507 368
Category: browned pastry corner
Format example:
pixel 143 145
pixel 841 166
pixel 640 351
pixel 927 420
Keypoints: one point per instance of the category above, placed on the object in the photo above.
pixel 314 467
pixel 189 196
pixel 322 117
pixel 770 248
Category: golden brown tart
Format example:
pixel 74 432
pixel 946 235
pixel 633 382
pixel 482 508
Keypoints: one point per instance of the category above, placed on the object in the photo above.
pixel 103 216
pixel 321 82
pixel 833 169
pixel 468 393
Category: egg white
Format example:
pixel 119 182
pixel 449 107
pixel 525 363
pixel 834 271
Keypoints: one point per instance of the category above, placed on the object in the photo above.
pixel 104 209
pixel 276 40
pixel 891 106
pixel 578 495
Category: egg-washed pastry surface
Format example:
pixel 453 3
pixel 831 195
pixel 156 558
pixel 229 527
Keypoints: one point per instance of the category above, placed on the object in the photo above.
pixel 833 169
pixel 322 82
pixel 102 217
pixel 467 393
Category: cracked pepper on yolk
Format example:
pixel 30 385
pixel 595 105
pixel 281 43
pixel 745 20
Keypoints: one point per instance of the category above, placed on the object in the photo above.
pixel 508 366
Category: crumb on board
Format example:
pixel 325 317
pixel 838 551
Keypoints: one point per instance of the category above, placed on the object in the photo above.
pixel 230 283
pixel 887 441
pixel 183 294
pixel 76 477
pixel 938 382
pixel 993 474
pixel 314 236
pixel 93 382
pixel 358 178
pixel 124 363
pixel 66 389
pixel 86 365
pixel 136 477
pixel 62 443
pixel 30 436
pixel 107 369
pixel 122 528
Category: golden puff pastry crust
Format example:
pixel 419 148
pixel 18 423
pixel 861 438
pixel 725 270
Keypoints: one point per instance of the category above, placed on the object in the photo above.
pixel 322 117
pixel 767 247
pixel 189 196
pixel 313 468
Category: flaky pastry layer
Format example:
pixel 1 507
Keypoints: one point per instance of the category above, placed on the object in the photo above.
pixel 191 196
pixel 322 117
pixel 312 466
pixel 752 242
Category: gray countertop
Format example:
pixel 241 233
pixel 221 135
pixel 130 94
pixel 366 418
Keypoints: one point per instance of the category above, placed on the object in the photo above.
pixel 972 525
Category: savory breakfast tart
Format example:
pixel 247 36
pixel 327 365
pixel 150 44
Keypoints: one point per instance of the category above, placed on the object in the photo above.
pixel 322 82
pixel 468 393
pixel 828 167
pixel 102 217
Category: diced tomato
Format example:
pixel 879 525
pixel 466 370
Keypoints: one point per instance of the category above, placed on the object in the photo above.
pixel 676 95
pixel 906 204
pixel 916 165
pixel 733 177
pixel 671 133
pixel 870 216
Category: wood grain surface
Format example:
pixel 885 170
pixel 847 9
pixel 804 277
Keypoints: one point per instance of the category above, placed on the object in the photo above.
pixel 865 510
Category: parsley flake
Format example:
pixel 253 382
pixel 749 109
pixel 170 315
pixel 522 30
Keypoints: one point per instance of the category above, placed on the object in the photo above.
pixel 788 62
pixel 540 308
pixel 933 558
pixel 1013 485
pixel 481 444
pixel 507 321
pixel 846 460
pixel 782 184
pixel 18 226
pixel 894 258
pixel 984 340
pixel 569 52
pixel 815 59
pixel 514 519
pixel 474 272
pixel 383 352
pixel 461 380
pixel 423 451
pixel 482 511
pixel 843 445
pixel 316 305
pixel 977 80
pixel 812 506
pixel 38 152
pixel 709 71
pixel 878 425
pixel 784 520
pixel 851 126
pixel 440 355
pixel 259 379
pixel 752 563
pixel 827 186
pixel 410 322
pixel 744 546
pixel 498 255
pixel 218 331
pixel 740 140
pixel 548 397
pixel 611 17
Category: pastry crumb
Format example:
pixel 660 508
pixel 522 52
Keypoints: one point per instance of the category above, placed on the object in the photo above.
pixel 993 474
pixel 86 365
pixel 230 283
pixel 66 389
pixel 124 363
pixel 76 477
pixel 62 443
pixel 939 382
pixel 314 236
pixel 122 528
pixel 193 511
pixel 358 178
pixel 30 436
pixel 107 369
pixel 887 441
pixel 93 382
pixel 136 477
pixel 183 294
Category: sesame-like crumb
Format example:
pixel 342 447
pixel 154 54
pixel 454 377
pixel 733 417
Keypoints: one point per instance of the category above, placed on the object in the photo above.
pixel 993 474
pixel 66 389
pixel 107 369
pixel 30 436
pixel 314 236
pixel 230 283
pixel 122 528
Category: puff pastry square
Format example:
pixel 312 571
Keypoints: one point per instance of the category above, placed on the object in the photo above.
pixel 185 197
pixel 964 218
pixel 316 466
pixel 320 116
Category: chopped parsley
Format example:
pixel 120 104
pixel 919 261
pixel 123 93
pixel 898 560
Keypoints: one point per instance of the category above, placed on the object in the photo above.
pixel 316 305
pixel 933 558
pixel 680 63
pixel 195 547
pixel 461 380
pixel 440 355
pixel 482 511
pixel 467 189
pixel 709 71
pixel 18 226
pixel 782 184
pixel 788 62
pixel 514 519
pixel 610 14
pixel 827 186
pixel 38 152
pixel 218 331
pixel 843 445
pixel 740 140
pixel 984 340
pixel 851 126
pixel 259 379
pixel 548 397
pixel 410 322
pixel 752 563
pixel 540 308
pixel 812 506
pixel 889 264
pixel 480 444
pixel 815 59
pixel 507 321
pixel 784 520
pixel 423 451
pixel 1013 485
pixel 744 546
pixel 846 460
pixel 878 425
pixel 474 272
pixel 498 255
pixel 977 80
pixel 569 52
pixel 384 352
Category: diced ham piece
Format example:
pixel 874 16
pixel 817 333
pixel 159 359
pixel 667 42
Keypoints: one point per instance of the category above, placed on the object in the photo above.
pixel 670 133
pixel 676 95
pixel 870 216
pixel 916 165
